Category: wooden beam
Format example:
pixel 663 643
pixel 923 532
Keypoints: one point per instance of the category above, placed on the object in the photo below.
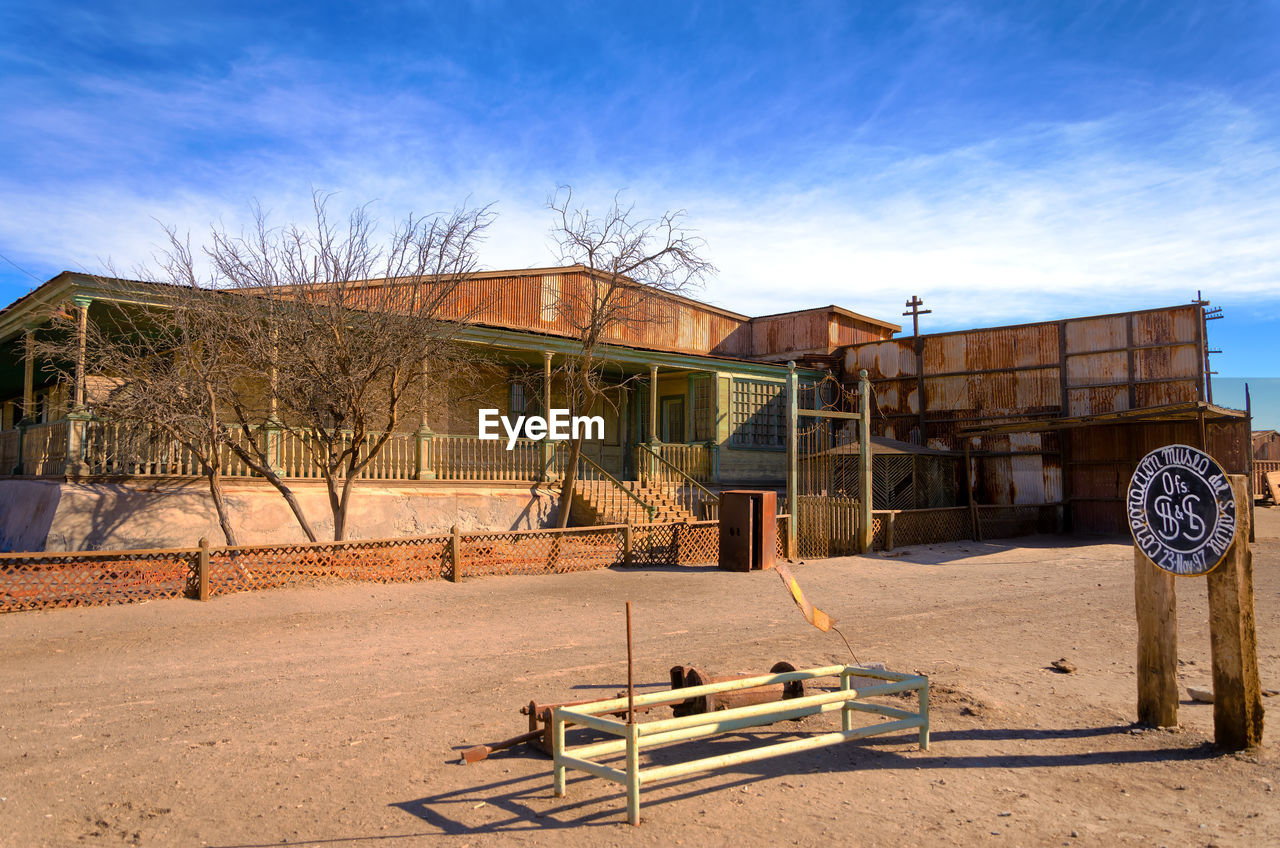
pixel 1129 363
pixel 1237 692
pixel 1157 610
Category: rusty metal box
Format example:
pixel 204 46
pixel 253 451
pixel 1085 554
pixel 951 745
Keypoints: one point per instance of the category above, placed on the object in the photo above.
pixel 748 529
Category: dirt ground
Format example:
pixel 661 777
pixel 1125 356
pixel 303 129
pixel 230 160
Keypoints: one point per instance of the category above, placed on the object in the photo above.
pixel 332 715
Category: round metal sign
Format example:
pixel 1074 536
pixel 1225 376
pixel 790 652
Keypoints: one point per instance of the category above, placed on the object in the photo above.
pixel 1182 511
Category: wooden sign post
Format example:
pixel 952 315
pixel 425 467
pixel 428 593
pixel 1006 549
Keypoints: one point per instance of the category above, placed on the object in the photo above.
pixel 1182 510
pixel 1237 690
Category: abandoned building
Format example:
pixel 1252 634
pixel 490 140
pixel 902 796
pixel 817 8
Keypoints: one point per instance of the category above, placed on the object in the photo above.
pixel 1049 417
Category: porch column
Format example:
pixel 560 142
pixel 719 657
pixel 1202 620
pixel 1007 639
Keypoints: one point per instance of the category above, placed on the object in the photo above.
pixel 28 376
pixel 653 404
pixel 548 448
pixel 422 465
pixel 78 418
pixel 651 463
pixel 82 333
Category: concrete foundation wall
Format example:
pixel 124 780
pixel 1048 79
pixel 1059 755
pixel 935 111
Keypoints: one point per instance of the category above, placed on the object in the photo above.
pixel 48 515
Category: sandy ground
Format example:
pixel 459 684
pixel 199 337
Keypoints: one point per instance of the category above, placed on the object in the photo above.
pixel 332 715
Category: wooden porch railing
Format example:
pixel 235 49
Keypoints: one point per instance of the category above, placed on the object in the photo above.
pixel 10 450
pixel 44 449
pixel 692 460
pixel 112 448
pixel 472 459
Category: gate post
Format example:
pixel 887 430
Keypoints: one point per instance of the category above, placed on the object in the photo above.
pixel 864 462
pixel 1237 690
pixel 793 458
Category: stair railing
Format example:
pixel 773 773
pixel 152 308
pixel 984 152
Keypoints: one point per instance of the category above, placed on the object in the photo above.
pixel 609 496
pixel 692 496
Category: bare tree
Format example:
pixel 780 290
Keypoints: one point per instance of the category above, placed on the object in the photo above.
pixel 631 263
pixel 169 365
pixel 353 335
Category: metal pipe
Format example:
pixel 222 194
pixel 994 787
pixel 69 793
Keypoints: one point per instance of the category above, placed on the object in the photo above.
pixel 614 705
pixel 633 774
pixel 650 775
pixel 595 722
pixel 776 708
pixel 718 725
pixel 607 772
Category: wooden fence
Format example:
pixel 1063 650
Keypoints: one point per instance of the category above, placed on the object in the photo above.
pixel 103 448
pixel 828 526
pixel 31 581
pixel 1260 469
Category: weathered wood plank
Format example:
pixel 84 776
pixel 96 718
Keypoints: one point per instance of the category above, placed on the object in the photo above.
pixel 1156 604
pixel 1237 692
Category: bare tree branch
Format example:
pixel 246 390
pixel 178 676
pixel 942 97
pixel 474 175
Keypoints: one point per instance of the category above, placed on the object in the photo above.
pixel 632 265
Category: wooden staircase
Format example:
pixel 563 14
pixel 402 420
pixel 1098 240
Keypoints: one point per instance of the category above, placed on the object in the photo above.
pixel 591 508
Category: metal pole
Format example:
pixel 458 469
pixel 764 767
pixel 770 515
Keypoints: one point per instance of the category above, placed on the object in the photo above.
pixel 793 458
pixel 1248 450
pixel 631 689
pixel 864 461
pixel 548 448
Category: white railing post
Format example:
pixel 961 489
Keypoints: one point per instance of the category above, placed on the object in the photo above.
pixel 77 436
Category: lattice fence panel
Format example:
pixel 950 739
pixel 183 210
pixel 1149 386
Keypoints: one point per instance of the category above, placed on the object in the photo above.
pixel 534 552
pixel 654 544
pixel 249 568
pixel 697 543
pixel 1001 522
pixel 48 580
pixel 877 532
pixel 930 526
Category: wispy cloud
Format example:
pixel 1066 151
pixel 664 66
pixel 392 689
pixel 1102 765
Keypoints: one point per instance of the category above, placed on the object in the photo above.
pixel 865 177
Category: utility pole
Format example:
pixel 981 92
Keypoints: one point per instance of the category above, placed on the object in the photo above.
pixel 914 305
pixel 1207 315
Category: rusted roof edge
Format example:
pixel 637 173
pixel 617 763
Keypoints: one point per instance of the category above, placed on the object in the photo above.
pixel 1186 411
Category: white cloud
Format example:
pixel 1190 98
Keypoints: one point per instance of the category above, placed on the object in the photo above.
pixel 1038 221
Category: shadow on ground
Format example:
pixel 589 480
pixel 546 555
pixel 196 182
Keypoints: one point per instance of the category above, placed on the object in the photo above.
pixel 524 800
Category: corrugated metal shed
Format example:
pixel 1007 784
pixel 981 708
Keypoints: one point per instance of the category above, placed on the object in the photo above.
pixel 929 389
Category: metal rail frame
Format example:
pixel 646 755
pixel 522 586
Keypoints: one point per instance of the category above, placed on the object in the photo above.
pixel 633 737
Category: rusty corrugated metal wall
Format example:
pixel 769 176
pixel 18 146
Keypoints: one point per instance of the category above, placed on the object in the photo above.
pixel 928 387
pixel 555 302
pixel 814 331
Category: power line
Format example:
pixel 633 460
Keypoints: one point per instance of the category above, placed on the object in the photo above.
pixel 20 268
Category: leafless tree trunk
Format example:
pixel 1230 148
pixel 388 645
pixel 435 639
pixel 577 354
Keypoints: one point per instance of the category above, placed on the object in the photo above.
pixel 354 332
pixel 631 262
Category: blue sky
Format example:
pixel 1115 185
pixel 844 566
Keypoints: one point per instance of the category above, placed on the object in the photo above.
pixel 1005 161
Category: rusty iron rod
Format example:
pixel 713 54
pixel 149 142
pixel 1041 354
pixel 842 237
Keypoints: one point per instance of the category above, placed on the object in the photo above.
pixel 631 689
